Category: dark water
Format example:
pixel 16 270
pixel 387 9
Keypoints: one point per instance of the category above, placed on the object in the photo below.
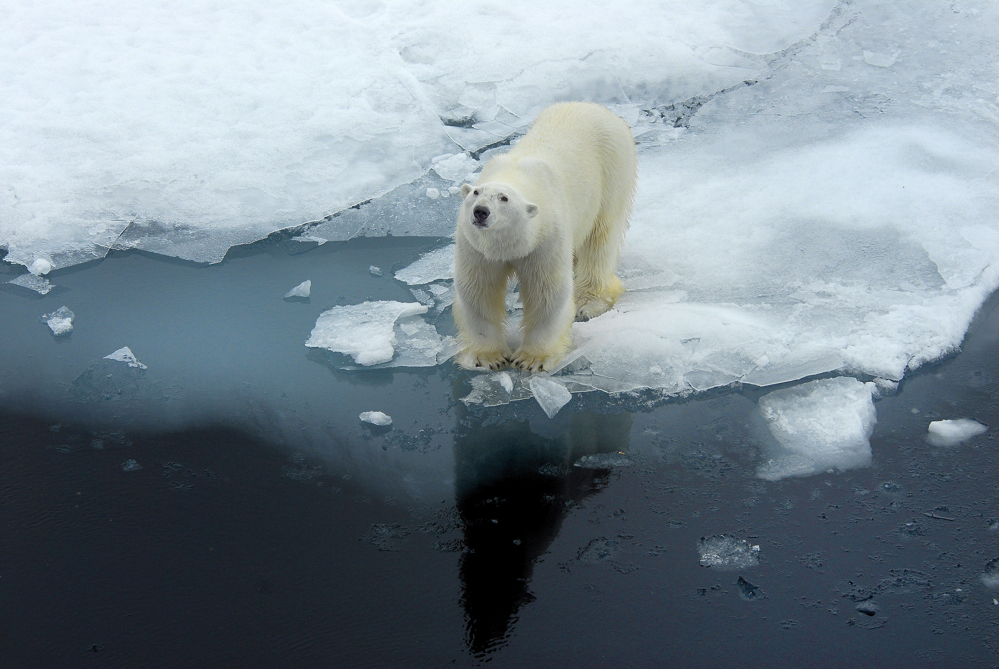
pixel 225 507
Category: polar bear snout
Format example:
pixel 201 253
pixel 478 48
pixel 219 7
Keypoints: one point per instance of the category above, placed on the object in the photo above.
pixel 480 215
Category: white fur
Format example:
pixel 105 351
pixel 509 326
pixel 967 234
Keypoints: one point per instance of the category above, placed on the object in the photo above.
pixel 558 205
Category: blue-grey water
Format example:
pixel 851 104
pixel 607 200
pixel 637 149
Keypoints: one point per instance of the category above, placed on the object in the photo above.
pixel 226 507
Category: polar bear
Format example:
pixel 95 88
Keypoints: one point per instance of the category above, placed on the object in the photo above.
pixel 553 211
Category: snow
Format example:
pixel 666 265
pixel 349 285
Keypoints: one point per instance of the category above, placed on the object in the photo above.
pixel 376 418
pixel 124 354
pixel 60 321
pixel 303 289
pixel 367 331
pixel 817 189
pixel 817 426
pixel 550 393
pixel 433 266
pixel 953 432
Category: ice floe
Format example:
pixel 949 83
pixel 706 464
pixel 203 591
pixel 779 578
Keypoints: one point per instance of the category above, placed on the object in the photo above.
pixel 953 432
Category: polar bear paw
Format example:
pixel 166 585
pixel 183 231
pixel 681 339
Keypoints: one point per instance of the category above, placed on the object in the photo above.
pixel 491 360
pixel 528 362
pixel 590 306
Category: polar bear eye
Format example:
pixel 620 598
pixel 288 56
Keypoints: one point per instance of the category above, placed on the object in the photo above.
pixel 503 198
pixel 475 192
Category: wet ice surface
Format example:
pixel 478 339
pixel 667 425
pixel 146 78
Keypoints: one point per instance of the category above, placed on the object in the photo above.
pixel 258 495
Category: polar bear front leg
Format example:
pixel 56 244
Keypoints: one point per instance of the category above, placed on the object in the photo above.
pixel 479 309
pixel 546 290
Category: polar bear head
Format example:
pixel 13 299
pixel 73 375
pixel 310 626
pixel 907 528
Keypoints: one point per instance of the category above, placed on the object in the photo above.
pixel 498 220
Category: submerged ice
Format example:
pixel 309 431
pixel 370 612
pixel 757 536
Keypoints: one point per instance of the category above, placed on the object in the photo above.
pixel 820 425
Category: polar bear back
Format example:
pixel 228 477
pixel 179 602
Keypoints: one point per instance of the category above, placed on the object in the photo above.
pixel 590 153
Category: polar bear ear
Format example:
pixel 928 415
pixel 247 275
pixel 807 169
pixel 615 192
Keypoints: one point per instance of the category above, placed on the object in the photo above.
pixel 465 189
pixel 531 209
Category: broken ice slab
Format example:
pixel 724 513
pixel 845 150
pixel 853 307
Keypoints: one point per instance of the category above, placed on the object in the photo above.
pixel 457 167
pixel 39 284
pixel 380 334
pixel 124 354
pixel 60 321
pixel 724 552
pixel 953 432
pixel 433 266
pixel 319 241
pixel 303 289
pixel 377 418
pixel 550 394
pixel 817 426
pixel 437 296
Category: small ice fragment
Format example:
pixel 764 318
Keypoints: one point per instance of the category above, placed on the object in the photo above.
pixel 454 167
pixel 604 461
pixel 310 238
pixel 303 289
pixel 453 190
pixel 868 607
pixel 376 418
pixel 124 354
pixel 990 577
pixel 36 283
pixel 880 59
pixel 438 264
pixel 40 266
pixel 130 465
pixel 376 271
pixel 726 553
pixel 506 381
pixel 748 591
pixel 549 393
pixel 366 331
pixel 60 321
pixel 953 432
pixel 433 193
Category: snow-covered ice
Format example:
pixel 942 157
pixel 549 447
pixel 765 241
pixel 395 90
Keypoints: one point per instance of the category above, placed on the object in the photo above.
pixel 60 321
pixel 124 354
pixel 376 418
pixel 725 552
pixel 817 426
pixel 817 186
pixel 433 266
pixel 303 289
pixel 953 432
pixel 39 284
pixel 550 393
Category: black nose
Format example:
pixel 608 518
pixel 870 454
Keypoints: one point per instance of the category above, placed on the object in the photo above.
pixel 480 214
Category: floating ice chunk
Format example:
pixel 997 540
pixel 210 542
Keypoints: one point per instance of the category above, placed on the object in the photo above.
pixel 880 59
pixel 953 432
pixel 990 577
pixel 130 465
pixel 60 321
pixel 433 266
pixel 38 284
pixel 40 266
pixel 604 461
pixel 819 425
pixel 310 238
pixel 505 381
pixel 124 354
pixel 455 167
pixel 549 393
pixel 376 271
pixel 303 289
pixel 726 553
pixel 433 193
pixel 366 331
pixel 376 418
